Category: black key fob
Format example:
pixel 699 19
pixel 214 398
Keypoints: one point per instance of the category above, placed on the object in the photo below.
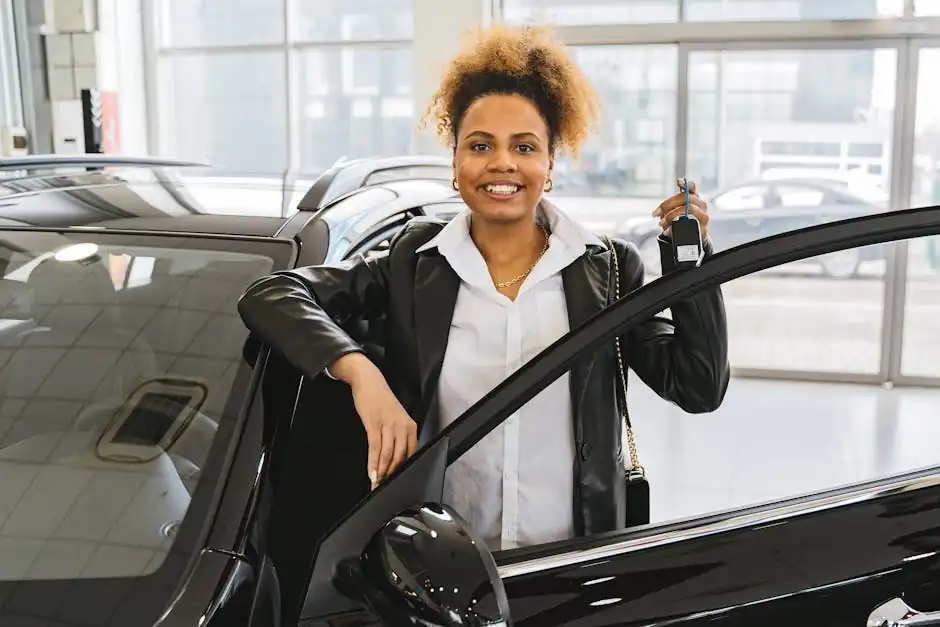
pixel 687 248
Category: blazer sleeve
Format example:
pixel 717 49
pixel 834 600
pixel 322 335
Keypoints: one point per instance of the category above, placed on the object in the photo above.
pixel 684 360
pixel 300 312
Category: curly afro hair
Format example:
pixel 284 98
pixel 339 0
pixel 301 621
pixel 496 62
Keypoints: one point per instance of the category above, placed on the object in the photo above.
pixel 524 61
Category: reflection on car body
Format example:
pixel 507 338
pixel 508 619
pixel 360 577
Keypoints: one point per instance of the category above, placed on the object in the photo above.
pixel 161 467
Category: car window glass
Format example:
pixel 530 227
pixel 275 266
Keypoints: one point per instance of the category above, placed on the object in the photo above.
pixel 379 244
pixel 351 217
pixel 379 247
pixel 377 239
pixel 769 440
pixel 116 362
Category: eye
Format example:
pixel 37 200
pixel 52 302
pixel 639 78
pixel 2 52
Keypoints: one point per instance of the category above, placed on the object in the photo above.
pixel 526 148
pixel 477 146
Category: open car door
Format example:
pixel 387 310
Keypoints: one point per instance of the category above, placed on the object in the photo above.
pixel 861 554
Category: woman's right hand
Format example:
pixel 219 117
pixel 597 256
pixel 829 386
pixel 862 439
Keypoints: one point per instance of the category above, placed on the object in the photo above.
pixel 392 434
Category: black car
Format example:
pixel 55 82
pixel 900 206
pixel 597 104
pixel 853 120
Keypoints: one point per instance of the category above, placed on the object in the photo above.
pixel 163 467
pixel 758 209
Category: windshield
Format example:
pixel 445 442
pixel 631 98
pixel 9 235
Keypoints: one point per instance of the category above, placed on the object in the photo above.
pixel 118 356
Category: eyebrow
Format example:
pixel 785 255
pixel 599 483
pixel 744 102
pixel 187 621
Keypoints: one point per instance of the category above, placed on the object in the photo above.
pixel 514 135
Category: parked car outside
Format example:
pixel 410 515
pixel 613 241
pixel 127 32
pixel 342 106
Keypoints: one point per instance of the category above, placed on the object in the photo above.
pixel 758 209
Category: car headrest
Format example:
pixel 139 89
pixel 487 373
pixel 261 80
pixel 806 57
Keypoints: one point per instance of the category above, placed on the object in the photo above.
pixel 72 283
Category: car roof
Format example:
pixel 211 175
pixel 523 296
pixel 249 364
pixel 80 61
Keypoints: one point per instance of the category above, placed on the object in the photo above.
pixel 821 184
pixel 150 194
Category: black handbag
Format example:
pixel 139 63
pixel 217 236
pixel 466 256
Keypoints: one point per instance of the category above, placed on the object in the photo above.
pixel 638 487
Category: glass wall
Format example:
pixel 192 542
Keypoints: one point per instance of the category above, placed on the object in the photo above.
pixel 633 153
pixel 784 119
pixel 354 103
pixel 275 90
pixel 785 113
pixel 240 123
pixel 760 115
pixel 584 12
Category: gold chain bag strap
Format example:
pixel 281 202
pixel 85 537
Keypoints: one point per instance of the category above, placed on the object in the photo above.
pixel 638 490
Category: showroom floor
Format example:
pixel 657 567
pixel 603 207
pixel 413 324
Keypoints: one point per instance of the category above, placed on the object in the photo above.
pixel 774 440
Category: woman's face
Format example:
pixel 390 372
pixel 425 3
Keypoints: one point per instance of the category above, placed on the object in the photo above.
pixel 503 157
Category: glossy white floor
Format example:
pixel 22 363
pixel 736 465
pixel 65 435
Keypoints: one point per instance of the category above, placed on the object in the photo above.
pixel 773 440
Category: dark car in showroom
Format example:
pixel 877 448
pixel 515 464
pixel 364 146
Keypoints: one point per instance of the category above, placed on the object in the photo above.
pixel 756 209
pixel 162 467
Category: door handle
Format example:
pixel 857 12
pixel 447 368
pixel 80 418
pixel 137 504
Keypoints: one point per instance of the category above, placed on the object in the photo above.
pixel 897 613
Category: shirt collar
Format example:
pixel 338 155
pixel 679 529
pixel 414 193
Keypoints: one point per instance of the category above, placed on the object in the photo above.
pixel 562 227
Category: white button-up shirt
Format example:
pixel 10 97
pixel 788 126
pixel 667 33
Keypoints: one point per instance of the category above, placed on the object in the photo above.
pixel 515 487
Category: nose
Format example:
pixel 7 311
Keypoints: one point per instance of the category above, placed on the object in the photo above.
pixel 502 160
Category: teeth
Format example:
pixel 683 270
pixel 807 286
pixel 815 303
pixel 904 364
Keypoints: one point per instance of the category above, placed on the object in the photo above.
pixel 502 189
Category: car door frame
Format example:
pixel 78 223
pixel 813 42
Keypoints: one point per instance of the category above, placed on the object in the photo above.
pixel 409 485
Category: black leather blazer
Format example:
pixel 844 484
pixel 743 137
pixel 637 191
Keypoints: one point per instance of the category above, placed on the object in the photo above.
pixel 303 313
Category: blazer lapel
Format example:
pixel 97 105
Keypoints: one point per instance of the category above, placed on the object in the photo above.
pixel 436 288
pixel 586 283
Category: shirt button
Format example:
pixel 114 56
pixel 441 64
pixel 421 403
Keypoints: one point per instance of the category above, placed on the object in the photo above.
pixel 585 451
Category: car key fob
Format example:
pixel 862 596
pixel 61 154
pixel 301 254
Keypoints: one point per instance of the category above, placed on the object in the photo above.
pixel 687 248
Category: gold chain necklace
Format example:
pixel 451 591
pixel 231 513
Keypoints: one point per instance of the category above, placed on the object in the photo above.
pixel 531 268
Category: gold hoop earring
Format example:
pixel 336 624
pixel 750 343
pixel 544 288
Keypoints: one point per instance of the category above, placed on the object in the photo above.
pixel 549 185
pixel 453 184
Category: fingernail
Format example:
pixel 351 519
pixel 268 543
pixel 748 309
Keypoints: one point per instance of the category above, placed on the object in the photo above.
pixel 374 477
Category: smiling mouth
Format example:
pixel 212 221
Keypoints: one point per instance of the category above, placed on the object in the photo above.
pixel 502 190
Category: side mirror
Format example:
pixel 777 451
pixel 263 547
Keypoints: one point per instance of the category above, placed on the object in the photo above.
pixel 427 566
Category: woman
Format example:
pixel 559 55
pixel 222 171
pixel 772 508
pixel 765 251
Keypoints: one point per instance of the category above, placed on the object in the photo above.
pixel 468 303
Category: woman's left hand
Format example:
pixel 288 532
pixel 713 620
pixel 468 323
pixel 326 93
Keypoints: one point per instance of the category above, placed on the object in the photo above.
pixel 674 206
